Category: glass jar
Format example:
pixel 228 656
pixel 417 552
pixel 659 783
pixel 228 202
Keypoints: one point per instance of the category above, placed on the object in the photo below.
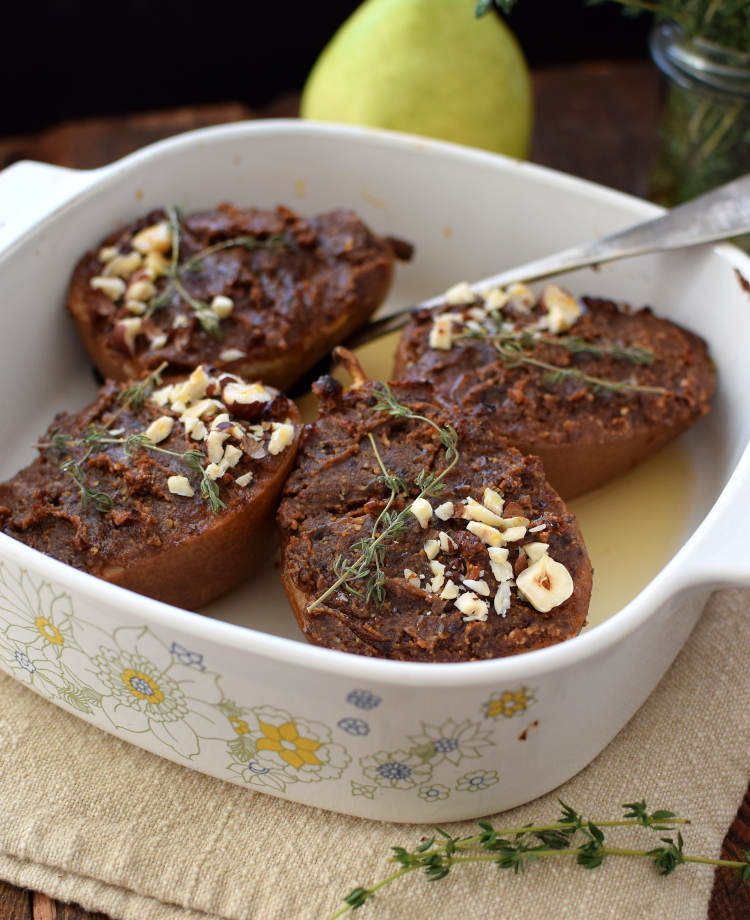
pixel 705 132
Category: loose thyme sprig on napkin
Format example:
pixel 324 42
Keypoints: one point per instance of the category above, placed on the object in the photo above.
pixel 367 567
pixel 517 848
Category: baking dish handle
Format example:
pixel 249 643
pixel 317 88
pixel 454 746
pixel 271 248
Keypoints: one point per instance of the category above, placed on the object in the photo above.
pixel 721 556
pixel 30 191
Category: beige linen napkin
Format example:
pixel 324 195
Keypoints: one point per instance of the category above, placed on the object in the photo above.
pixel 90 819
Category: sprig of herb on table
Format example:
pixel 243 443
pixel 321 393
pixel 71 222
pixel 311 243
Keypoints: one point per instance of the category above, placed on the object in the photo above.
pixel 367 567
pixel 517 848
pixel 513 347
pixel 131 397
pixel 203 311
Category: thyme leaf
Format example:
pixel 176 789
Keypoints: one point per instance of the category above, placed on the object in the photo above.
pixel 367 566
pixel 517 848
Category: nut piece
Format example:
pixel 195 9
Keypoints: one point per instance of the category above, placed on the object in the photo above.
pixel 131 328
pixel 502 570
pixel 282 436
pixel 495 298
pixel 193 388
pixel 232 354
pixel 159 429
pixel 441 333
pixel 156 238
pixel 179 485
pixel 472 607
pixel 114 288
pixel 489 535
pixel 136 306
pixel 521 297
pixel 411 578
pixel 155 265
pixel 107 253
pixel 422 511
pixel 545 584
pixel 123 266
pixel 232 455
pixel 450 592
pixel 222 306
pixel 444 511
pixel 460 294
pixel 535 551
pixel 245 479
pixel 432 548
pixel 142 289
pixel 494 501
pixel 473 511
pixel 502 599
pixel 479 586
pixel 563 310
pixel 245 393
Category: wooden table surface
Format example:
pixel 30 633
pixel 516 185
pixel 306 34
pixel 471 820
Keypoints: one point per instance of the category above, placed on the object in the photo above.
pixel 594 120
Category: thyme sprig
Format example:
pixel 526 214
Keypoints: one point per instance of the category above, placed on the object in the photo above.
pixel 513 347
pixel 94 437
pixel 203 311
pixel 517 848
pixel 367 567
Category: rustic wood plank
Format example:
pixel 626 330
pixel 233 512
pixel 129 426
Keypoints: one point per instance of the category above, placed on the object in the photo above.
pixel 15 903
pixel 47 909
pixel 730 898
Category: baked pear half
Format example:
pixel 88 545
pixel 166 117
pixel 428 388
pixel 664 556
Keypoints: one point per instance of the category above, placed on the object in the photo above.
pixel 166 488
pixel 264 294
pixel 590 386
pixel 406 534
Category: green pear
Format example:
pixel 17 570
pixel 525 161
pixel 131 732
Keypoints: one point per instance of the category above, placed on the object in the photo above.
pixel 428 67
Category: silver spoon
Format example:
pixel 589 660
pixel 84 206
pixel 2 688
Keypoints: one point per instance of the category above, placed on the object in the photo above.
pixel 717 215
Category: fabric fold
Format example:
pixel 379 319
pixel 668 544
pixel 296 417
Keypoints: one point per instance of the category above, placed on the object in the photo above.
pixel 93 820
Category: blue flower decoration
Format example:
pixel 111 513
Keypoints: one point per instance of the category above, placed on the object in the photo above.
pixel 354 726
pixel 25 662
pixel 393 770
pixel 186 657
pixel 363 699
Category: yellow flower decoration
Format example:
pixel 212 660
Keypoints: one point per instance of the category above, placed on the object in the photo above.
pixel 51 633
pixel 508 704
pixel 239 725
pixel 287 743
pixel 142 686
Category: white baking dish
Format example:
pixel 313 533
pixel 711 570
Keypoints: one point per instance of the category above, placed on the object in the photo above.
pixel 389 740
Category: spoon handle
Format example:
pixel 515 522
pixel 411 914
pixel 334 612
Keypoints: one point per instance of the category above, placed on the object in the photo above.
pixel 721 213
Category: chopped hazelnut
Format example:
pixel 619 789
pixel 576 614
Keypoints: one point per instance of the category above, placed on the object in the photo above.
pixel 160 429
pixel 494 501
pixel 460 294
pixel 282 435
pixel 444 511
pixel 179 485
pixel 473 511
pixel 487 534
pixel 422 511
pixel 114 288
pixel 432 548
pixel 563 310
pixel 245 479
pixel 222 306
pixel 156 238
pixel 545 583
pixel 450 592
pixel 502 570
pixel 535 551
pixel 495 298
pixel 123 266
pixel 107 253
pixel 232 354
pixel 472 607
pixel 479 586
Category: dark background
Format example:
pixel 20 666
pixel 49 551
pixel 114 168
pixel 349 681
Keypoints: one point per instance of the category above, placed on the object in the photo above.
pixel 62 60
